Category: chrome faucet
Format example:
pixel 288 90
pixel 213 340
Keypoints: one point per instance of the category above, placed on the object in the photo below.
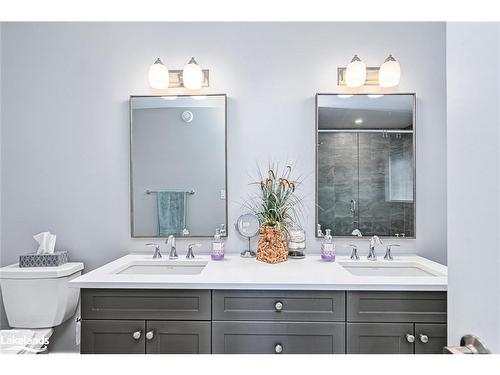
pixel 388 255
pixel 173 250
pixel 373 241
pixel 157 253
pixel 190 253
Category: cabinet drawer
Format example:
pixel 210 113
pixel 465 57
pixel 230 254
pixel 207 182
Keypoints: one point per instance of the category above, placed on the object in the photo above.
pixel 146 304
pixel 277 337
pixel 396 307
pixel 278 305
pixel 113 337
pixel 379 338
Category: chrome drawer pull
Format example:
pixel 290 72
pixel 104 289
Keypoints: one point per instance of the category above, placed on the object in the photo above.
pixel 410 338
pixel 424 339
pixel 150 335
pixel 278 306
pixel 278 348
pixel 136 335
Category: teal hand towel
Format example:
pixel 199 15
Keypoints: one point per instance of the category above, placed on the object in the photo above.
pixel 171 207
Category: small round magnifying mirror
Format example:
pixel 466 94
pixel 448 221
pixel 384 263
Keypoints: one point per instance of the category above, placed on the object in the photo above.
pixel 247 226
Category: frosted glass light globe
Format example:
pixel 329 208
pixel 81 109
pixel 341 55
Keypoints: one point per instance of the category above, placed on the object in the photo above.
pixel 192 75
pixel 355 73
pixel 389 74
pixel 158 75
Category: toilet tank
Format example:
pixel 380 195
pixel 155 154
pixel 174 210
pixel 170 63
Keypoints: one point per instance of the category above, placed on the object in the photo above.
pixel 39 297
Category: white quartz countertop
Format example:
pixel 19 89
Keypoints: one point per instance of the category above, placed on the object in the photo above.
pixel 235 272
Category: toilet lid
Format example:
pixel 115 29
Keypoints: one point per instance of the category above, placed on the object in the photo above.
pixel 24 341
pixel 15 272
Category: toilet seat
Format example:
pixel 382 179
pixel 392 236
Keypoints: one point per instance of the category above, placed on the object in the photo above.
pixel 24 341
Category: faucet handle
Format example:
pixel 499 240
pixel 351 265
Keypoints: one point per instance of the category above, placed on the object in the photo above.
pixel 190 253
pixel 157 253
pixel 354 253
pixel 388 255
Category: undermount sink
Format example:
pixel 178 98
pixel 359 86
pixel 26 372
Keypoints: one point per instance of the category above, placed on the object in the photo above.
pixel 383 268
pixel 163 267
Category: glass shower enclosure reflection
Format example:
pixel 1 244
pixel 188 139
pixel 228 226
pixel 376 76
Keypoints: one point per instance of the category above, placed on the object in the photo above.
pixel 365 176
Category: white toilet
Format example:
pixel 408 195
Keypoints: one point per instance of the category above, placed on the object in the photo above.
pixel 36 299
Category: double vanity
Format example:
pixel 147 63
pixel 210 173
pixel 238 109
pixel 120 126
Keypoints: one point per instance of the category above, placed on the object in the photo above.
pixel 137 304
pixel 365 183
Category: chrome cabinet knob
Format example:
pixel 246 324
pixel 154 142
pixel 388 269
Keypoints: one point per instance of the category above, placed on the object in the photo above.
pixel 424 339
pixel 136 335
pixel 278 306
pixel 410 338
pixel 150 335
pixel 278 348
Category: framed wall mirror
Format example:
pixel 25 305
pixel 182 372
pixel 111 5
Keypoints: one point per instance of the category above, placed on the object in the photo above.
pixel 178 165
pixel 365 164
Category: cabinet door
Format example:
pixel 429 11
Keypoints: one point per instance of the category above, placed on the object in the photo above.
pixel 379 338
pixel 430 338
pixel 277 338
pixel 171 337
pixel 113 337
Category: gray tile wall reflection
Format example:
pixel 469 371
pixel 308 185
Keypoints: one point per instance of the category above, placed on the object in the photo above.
pixel 356 166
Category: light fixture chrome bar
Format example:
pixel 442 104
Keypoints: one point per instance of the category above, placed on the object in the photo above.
pixel 365 131
pixel 371 76
pixel 190 192
pixel 175 78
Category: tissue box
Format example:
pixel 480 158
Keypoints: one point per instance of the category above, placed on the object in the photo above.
pixel 44 260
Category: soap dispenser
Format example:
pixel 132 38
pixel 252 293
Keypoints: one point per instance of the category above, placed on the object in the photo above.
pixel 217 252
pixel 328 247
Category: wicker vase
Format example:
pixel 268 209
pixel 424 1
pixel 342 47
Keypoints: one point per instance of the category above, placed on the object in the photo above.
pixel 272 247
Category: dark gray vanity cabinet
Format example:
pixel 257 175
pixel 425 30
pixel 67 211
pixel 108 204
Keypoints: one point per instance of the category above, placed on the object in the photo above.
pixel 278 322
pixel 262 321
pixel 146 321
pixel 396 322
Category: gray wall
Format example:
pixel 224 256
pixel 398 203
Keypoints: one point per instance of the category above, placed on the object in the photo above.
pixel 169 154
pixel 473 181
pixel 65 120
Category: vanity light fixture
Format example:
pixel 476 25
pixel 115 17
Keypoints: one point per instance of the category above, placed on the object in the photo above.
pixel 158 75
pixel 355 73
pixel 389 73
pixel 192 77
pixel 358 121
